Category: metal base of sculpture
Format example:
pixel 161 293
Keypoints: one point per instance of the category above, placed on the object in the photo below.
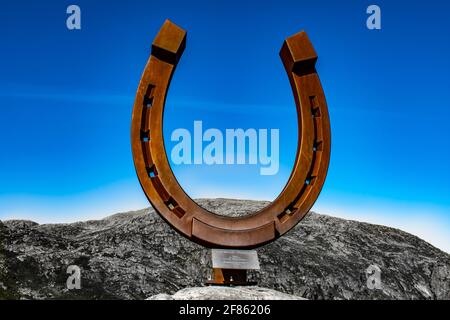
pixel 230 267
pixel 229 277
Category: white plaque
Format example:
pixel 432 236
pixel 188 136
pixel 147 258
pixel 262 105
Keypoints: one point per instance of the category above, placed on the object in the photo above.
pixel 235 259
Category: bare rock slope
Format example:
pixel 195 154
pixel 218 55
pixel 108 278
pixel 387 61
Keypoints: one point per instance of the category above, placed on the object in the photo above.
pixel 136 255
pixel 226 293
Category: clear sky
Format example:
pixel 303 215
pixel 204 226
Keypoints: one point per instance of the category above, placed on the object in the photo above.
pixel 66 99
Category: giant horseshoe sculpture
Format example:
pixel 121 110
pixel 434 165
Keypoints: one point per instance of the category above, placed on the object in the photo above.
pixel 167 196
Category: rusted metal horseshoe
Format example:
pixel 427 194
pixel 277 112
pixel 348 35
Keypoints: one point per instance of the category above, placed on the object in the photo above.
pixel 161 186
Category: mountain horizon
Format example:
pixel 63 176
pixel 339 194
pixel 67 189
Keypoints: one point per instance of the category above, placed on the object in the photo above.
pixel 136 255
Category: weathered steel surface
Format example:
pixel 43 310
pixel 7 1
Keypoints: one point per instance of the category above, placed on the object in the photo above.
pixel 160 184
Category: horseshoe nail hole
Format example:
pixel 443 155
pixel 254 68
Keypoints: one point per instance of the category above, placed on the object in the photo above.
pixel 315 106
pixel 152 172
pixel 314 102
pixel 145 136
pixel 171 203
pixel 148 98
pixel 315 112
pixel 148 102
pixel 173 206
pixel 309 181
pixel 286 214
pixel 179 212
pixel 317 146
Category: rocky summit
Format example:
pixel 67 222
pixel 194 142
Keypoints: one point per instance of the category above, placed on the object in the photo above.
pixel 226 293
pixel 136 255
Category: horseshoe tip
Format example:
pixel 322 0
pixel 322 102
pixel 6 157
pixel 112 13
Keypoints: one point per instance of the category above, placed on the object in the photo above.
pixel 169 43
pixel 298 53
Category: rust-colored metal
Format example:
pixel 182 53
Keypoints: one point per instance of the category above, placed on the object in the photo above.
pixel 160 184
pixel 229 277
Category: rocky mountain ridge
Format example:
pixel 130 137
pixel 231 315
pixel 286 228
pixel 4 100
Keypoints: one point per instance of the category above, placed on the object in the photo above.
pixel 136 255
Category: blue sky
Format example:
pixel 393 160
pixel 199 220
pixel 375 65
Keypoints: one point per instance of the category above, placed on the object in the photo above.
pixel 66 100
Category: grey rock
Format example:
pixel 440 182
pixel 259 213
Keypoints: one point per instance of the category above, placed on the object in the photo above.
pixel 136 255
pixel 226 293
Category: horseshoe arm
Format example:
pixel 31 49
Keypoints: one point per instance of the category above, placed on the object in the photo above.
pixel 314 134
